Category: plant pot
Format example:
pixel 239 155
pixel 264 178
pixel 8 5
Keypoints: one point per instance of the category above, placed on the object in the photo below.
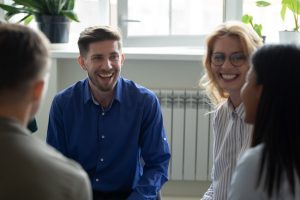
pixel 289 37
pixel 56 28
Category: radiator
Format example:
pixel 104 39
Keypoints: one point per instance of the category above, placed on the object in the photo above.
pixel 188 126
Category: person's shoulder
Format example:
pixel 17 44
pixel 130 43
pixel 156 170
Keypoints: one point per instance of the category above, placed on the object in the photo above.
pixel 50 156
pixel 222 107
pixel 72 90
pixel 136 88
pixel 221 111
pixel 252 155
pixel 43 163
pixel 244 178
pixel 249 161
pixel 55 165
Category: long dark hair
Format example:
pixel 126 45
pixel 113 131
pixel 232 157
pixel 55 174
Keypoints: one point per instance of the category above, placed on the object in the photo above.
pixel 277 123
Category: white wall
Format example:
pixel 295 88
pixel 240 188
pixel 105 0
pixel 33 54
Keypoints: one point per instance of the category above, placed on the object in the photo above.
pixel 150 73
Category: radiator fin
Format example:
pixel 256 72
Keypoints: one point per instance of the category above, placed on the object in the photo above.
pixel 187 124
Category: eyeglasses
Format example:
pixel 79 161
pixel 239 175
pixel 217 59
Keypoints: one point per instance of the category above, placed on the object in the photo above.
pixel 236 59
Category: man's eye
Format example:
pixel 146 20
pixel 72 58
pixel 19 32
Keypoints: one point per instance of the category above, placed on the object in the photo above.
pixel 96 58
pixel 114 57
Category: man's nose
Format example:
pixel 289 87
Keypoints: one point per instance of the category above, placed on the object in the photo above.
pixel 107 64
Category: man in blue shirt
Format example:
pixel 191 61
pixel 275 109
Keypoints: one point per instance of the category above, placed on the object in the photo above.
pixel 112 126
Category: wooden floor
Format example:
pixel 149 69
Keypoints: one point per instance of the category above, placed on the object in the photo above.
pixel 184 190
pixel 180 198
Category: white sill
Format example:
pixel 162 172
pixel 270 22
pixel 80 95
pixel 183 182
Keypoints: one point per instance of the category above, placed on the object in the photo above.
pixel 147 53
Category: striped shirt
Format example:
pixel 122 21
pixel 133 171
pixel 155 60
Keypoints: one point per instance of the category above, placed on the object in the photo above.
pixel 232 137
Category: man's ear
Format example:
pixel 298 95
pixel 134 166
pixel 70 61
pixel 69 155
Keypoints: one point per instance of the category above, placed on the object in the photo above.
pixel 122 58
pixel 80 61
pixel 38 89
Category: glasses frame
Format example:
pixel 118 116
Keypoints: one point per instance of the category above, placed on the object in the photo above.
pixel 232 57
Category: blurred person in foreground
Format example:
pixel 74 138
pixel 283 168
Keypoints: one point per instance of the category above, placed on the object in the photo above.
pixel 30 169
pixel 270 169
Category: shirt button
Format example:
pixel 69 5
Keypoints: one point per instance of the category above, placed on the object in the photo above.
pixel 103 114
pixel 101 159
pixel 102 136
pixel 97 180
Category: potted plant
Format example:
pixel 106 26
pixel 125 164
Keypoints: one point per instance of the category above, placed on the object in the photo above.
pixel 248 19
pixel 52 16
pixel 289 36
pixel 294 35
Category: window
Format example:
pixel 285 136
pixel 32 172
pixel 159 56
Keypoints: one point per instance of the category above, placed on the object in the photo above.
pixel 90 13
pixel 269 18
pixel 168 22
pixel 172 22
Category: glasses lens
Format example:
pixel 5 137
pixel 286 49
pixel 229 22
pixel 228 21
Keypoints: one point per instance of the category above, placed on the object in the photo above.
pixel 237 59
pixel 218 59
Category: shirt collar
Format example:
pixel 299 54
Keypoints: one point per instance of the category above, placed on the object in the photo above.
pixel 12 124
pixel 87 94
pixel 119 90
pixel 239 111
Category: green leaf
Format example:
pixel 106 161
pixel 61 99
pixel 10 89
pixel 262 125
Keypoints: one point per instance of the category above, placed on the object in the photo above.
pixel 283 11
pixel 34 4
pixel 28 19
pixel 69 5
pixel 262 3
pixel 293 5
pixel 9 8
pixel 71 15
pixel 247 19
pixel 40 7
pixel 258 29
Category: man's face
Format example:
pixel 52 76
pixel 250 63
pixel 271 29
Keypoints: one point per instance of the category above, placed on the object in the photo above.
pixel 103 64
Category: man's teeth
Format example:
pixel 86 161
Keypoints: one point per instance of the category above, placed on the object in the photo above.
pixel 228 76
pixel 105 75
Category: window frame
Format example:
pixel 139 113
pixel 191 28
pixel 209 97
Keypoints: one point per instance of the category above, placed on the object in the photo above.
pixel 232 10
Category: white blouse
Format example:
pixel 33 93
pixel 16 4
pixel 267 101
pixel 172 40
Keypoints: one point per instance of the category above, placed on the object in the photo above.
pixel 244 180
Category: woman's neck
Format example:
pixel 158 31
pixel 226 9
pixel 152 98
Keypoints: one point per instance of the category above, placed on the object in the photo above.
pixel 235 100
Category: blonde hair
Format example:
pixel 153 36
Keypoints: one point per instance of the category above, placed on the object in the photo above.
pixel 250 41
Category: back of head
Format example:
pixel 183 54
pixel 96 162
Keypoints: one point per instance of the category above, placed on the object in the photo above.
pixel 250 41
pixel 97 34
pixel 277 122
pixel 277 69
pixel 24 57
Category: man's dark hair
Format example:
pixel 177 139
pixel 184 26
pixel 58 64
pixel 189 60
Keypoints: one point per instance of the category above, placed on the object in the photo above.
pixel 23 54
pixel 97 34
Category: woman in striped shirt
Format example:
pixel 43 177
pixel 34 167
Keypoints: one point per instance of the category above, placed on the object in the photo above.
pixel 226 64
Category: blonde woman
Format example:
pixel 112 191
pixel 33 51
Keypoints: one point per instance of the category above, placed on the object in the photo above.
pixel 226 64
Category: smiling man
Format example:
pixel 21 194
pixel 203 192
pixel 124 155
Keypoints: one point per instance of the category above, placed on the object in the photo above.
pixel 110 125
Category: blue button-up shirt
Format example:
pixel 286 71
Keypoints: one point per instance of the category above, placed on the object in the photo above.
pixel 123 148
